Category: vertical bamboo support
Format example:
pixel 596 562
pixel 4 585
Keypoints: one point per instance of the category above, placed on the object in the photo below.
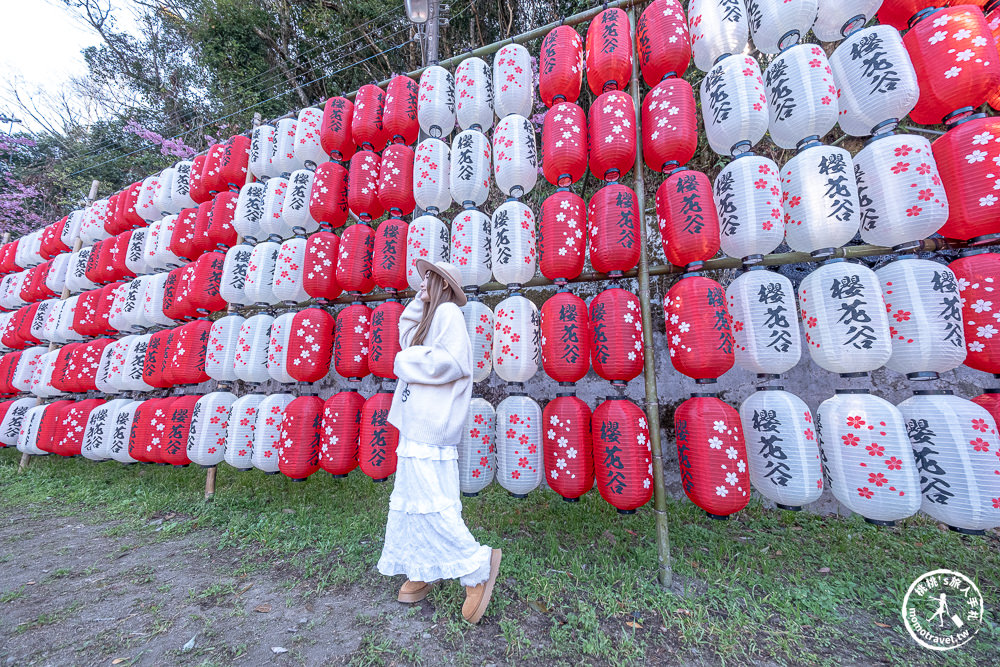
pixel 77 244
pixel 664 570
pixel 211 473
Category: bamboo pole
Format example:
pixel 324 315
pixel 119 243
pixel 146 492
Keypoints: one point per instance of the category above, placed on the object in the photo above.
pixel 77 244
pixel 664 571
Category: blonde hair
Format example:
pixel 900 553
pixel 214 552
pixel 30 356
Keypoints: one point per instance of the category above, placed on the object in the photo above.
pixel 439 292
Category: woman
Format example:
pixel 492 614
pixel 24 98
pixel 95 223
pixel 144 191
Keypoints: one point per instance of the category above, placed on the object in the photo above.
pixel 425 537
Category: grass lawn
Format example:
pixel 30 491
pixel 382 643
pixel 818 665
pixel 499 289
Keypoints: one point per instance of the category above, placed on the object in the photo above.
pixel 578 580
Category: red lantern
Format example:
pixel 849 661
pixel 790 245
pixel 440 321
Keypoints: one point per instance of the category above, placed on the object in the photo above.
pixel 956 62
pixel 92 312
pixel 568 447
pixel 115 268
pixel 609 52
pixel 310 345
pixel 336 134
pixel 712 455
pixel 384 338
pixel 298 450
pixel 144 436
pixel 72 426
pixel 156 360
pixel 49 427
pixel 967 159
pixel 196 185
pixel 175 435
pixel 203 295
pixel 233 165
pixel 699 329
pixel 613 231
pixel 378 438
pixel 52 244
pixel 328 201
pixel 217 231
pixel 612 135
pixel 623 459
pixel 184 356
pixel 990 400
pixel 350 342
pixel 182 240
pixel 669 125
pixel 565 327
pixel 663 42
pixel 389 255
pixel 562 239
pixel 616 335
pixel 211 170
pixel 400 119
pixel 319 275
pixel 561 73
pixel 898 13
pixel 367 126
pixel 338 450
pixel 564 144
pixel 978 275
pixel 395 180
pixel 362 186
pixel 688 219
pixel 354 259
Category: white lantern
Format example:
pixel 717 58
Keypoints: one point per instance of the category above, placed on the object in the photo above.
pixel 847 329
pixel 516 339
pixel 515 159
pixel 261 151
pixel 132 317
pixel 470 168
pixel 220 356
pixel 479 324
pixel 163 196
pixel 232 287
pixel 718 28
pixel 901 195
pixel 519 445
pixel 295 208
pixel 135 361
pixel 820 200
pixel 250 211
pixel 41 381
pixel 747 195
pixel 277 348
pixel 734 106
pixel 250 361
pixel 801 95
pixel 470 247
pixel 474 95
pixel 775 25
pixel 55 279
pixel 431 176
pixel 76 274
pixel 512 243
pixel 308 147
pixel 283 159
pixel 152 308
pixel 135 255
pixel 206 444
pixel 436 102
pixel 955 444
pixel 259 285
pixel 10 426
pixel 98 436
pixel 476 450
pixel 144 204
pixel 41 317
pixel 104 379
pixel 426 238
pixel 513 88
pixel 765 326
pixel 26 365
pixel 28 435
pixel 925 317
pixel 241 432
pixel 876 81
pixel 836 19
pixel 782 448
pixel 867 455
pixel 266 441
pixel 121 429
pixel 272 223
pixel 180 187
pixel 288 285
pixel 71 230
pixel 65 333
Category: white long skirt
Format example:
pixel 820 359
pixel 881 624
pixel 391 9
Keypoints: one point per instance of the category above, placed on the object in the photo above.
pixel 425 536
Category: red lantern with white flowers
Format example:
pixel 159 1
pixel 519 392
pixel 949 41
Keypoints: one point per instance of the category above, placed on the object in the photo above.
pixel 978 274
pixel 310 345
pixel 663 41
pixel 389 255
pixel 354 259
pixel 328 200
pixel 400 116
pixel 565 329
pixel 319 275
pixel 338 448
pixel 336 133
pixel 699 329
pixel 609 51
pixel 362 188
pixel 612 135
pixel 712 455
pixel 568 446
pixel 562 236
pixel 669 125
pixel 298 449
pixel 351 341
pixel 564 144
pixel 560 74
pixel 967 157
pixel 395 180
pixel 384 339
pixel 378 438
pixel 613 229
pixel 616 335
pixel 623 459
pixel 367 127
pixel 688 221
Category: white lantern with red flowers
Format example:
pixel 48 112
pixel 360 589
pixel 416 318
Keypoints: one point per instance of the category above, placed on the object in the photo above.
pixel 519 444
pixel 512 81
pixel 733 105
pixel 474 95
pixel 277 348
pixel 267 433
pixel 512 243
pixel 837 19
pixel 515 158
pixel 747 195
pixel 232 288
pixel 259 284
pixel 801 95
pixel 765 326
pixel 206 443
pixel 822 210
pixel 288 283
pixel 180 188
pixel 220 355
pixel 470 247
pixel 261 151
pixel 431 176
pixel 250 360
pixel 516 339
pixel 776 25
pixel 479 323
pixel 436 102
pixel 470 168
pixel 308 147
pixel 477 449
pixel 241 431
pixel 718 28
pixel 250 211
pixel 283 159
pixel 272 223
pixel 427 238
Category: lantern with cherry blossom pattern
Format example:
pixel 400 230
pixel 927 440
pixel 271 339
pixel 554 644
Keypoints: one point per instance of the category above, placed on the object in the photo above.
pixel 765 327
pixel 351 340
pixel 367 127
pixel 978 273
pixel 436 102
pixel 612 135
pixel 338 448
pixel 335 134
pixel 277 348
pixel 250 211
pixel 308 142
pixel 298 450
pixel 479 322
pixel 567 444
pixel 747 195
pixel 515 158
pixel 220 357
pixel 267 433
pixel 719 28
pixel 427 238
pixel 400 115
pixel 782 448
pixel 259 285
pixel 560 74
pixel 206 444
pixel 319 275
pixel 516 345
pixel 470 168
pixel 512 243
pixel 967 157
pixel 395 180
pixel 609 51
pixel 565 337
pixel 613 229
pixel 662 41
pixel 378 438
pixel 562 240
pixel 250 360
pixel 295 207
pixel 470 247
pixel 734 106
pixel 616 335
pixel 288 270
pixel 241 431
pixel 822 209
pixel 354 259
pixel 776 25
pixel 310 345
pixel 518 444
pixel 512 81
pixel 699 329
pixel 623 459
pixel 474 95
pixel 901 14
pixel 328 200
pixel 476 451
pixel 801 95
pixel 431 176
pixel 384 338
pixel 669 125
pixel 362 190
pixel 564 144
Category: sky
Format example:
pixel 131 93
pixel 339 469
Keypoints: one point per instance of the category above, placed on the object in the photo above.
pixel 42 44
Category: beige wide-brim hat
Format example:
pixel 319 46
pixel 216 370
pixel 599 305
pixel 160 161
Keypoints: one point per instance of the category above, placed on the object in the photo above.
pixel 450 274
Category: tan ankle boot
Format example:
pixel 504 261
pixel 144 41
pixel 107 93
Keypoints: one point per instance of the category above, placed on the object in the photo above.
pixel 477 598
pixel 413 591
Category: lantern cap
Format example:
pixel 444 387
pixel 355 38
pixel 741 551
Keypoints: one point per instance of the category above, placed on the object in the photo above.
pixel 768 376
pixel 828 254
pixel 717 517
pixel 878 522
pixel 990 6
pixel 704 394
pixel 788 40
pixel 771 387
pixel 907 249
pixel 991 390
pixel 933 392
pixel 570 500
pixel 972 251
pixel 960 531
pixel 984 239
pixel 884 129
pixel 959 116
pixel 519 496
pixel 789 508
pixel 720 59
pixel 806 143
pixel 706 380
pixel 741 149
pixel 470 495
pixel 851 391
pixel 626 512
pixel 923 375
pixel 851 26
pixel 859 374
pixel 917 18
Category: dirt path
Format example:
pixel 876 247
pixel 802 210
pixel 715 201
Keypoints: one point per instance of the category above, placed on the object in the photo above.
pixel 71 594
